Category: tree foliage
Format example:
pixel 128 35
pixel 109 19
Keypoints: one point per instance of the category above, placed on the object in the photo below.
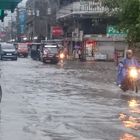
pixel 128 13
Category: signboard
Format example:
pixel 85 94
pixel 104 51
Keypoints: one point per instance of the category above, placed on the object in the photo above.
pixel 91 5
pixel 77 35
pixel 2 34
pixel 81 35
pixel 90 49
pixel 2 15
pixel 91 42
pixel 0 12
pixel 22 21
pixel 113 32
pixel 57 31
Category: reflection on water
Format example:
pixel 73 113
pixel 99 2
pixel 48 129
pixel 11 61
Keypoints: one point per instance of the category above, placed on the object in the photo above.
pixel 131 120
pixel 61 63
pixel 127 136
pixel 133 104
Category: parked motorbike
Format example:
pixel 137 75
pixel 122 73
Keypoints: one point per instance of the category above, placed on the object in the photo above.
pixel 131 80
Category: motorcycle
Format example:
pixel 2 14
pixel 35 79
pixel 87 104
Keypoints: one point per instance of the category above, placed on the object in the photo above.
pixel 133 76
pixel 131 80
pixel 61 59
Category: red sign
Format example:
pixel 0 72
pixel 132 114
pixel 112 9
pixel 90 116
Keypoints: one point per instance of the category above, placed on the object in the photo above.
pixel 2 34
pixel 57 31
pixel 93 42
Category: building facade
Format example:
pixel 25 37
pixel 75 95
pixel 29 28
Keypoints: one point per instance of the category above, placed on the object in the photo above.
pixel 81 18
pixel 41 16
pixel 21 23
pixel 85 15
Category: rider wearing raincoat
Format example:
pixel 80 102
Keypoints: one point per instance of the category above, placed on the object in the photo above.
pixel 129 61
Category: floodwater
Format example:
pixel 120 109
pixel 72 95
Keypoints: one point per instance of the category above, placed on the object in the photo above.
pixel 76 101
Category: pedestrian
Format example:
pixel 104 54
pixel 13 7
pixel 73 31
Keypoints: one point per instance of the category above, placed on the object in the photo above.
pixel 120 73
pixel 79 53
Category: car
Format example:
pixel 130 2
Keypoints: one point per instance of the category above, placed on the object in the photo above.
pixel 22 50
pixel 50 53
pixel 8 51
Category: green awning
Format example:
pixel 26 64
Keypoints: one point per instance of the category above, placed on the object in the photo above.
pixel 10 1
pixel 9 4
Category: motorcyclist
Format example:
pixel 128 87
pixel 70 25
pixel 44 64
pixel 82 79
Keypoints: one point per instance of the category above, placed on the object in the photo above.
pixel 129 61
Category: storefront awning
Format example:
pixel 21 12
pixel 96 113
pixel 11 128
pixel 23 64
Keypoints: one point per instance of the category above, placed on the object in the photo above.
pixel 9 4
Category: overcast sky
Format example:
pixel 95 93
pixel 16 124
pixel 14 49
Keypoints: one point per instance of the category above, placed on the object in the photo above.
pixel 23 2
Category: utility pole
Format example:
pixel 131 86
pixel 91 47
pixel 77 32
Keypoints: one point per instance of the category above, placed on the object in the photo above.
pixel 11 30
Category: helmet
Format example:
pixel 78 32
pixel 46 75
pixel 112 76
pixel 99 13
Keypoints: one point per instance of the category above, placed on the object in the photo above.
pixel 129 52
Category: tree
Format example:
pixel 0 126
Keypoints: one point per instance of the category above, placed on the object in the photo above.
pixel 128 13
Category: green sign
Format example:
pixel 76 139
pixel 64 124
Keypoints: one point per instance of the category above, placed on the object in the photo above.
pixel 0 12
pixel 113 32
pixel 2 15
pixel 9 4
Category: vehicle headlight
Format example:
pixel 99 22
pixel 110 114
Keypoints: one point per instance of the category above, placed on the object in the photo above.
pixel 133 73
pixel 62 56
pixel 45 52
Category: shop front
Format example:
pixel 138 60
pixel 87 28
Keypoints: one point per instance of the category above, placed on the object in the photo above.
pixel 90 49
pixel 104 48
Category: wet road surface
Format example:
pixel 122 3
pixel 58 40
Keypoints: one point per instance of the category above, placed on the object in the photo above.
pixel 77 101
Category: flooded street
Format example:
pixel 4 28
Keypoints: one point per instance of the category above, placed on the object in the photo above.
pixel 77 101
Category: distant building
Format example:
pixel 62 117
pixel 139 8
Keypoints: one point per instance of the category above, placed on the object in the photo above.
pixel 41 16
pixel 21 23
pixel 86 15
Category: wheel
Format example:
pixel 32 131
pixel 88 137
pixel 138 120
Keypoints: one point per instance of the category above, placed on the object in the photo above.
pixel 135 87
pixel 54 61
pixel 44 61
pixel 125 85
pixel 0 94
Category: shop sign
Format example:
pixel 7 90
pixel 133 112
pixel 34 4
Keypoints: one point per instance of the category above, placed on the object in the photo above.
pixel 113 32
pixel 57 31
pixel 2 34
pixel 91 42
